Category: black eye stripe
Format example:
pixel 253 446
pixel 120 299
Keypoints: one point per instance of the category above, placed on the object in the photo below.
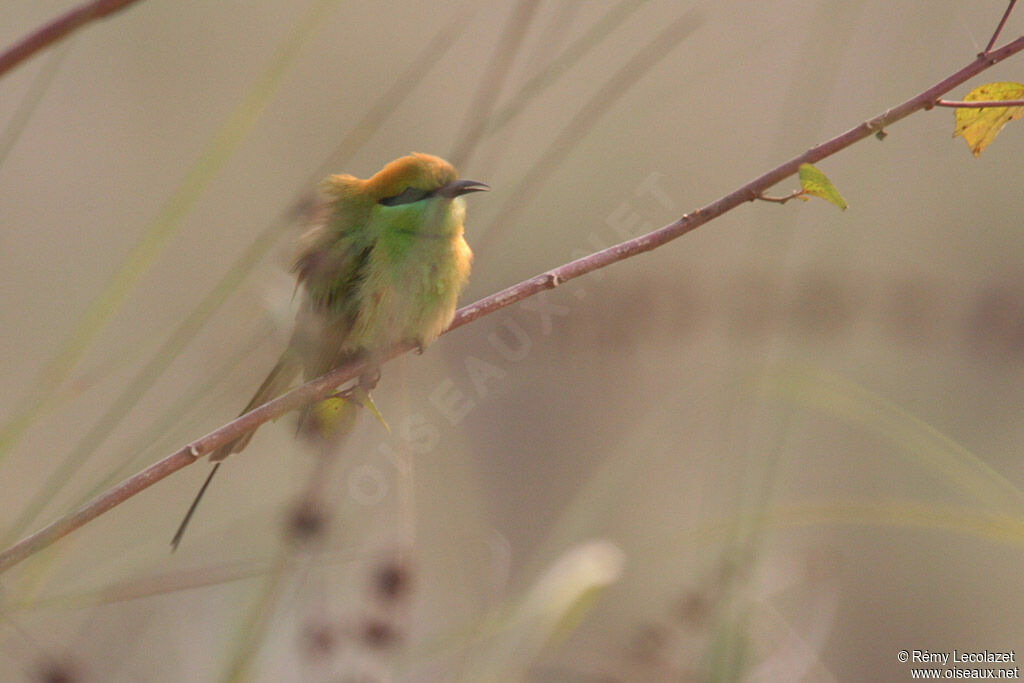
pixel 406 196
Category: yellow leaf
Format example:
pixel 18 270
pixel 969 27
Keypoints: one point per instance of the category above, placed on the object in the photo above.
pixel 979 127
pixel 816 183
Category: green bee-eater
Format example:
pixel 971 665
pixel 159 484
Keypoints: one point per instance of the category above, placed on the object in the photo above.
pixel 384 266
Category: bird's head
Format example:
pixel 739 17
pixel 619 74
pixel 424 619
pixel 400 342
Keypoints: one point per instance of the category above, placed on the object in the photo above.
pixel 411 193
pixel 416 177
pixel 405 180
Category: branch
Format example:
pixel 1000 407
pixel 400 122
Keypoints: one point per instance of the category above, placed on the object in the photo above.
pixel 56 29
pixel 979 104
pixel 782 200
pixel 323 386
pixel 999 28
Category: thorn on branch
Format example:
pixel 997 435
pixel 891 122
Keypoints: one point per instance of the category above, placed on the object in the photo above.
pixel 876 124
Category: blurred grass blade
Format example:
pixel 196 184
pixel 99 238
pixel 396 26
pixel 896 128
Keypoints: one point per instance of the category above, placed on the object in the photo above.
pixel 907 514
pixel 188 414
pixel 120 407
pixel 40 84
pixel 147 586
pixel 962 470
pixel 968 521
pixel 601 29
pixel 237 272
pixel 388 103
pixel 505 52
pixel 583 122
pixel 163 227
pixel 551 610
pixel 252 631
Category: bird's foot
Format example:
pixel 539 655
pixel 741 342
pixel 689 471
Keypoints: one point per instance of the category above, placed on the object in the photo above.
pixel 369 378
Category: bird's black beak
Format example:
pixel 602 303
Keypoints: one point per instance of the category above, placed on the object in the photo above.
pixel 460 187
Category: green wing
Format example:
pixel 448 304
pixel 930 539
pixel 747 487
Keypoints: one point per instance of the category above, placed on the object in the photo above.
pixel 332 268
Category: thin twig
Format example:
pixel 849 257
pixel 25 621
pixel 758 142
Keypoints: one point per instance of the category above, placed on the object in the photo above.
pixel 322 386
pixel 236 273
pixel 56 29
pixel 999 28
pixel 161 228
pixel 781 200
pixel 980 104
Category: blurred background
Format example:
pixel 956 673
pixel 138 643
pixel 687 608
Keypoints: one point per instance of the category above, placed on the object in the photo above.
pixel 784 447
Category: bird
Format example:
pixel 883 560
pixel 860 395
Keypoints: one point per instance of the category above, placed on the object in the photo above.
pixel 383 265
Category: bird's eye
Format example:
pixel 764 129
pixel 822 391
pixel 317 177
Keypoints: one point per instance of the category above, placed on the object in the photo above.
pixel 407 196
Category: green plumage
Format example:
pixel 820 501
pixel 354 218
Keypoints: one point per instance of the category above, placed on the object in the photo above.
pixel 383 266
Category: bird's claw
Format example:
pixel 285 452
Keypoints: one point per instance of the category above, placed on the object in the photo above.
pixel 369 378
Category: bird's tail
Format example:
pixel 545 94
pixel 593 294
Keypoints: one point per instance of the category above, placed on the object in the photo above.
pixel 279 379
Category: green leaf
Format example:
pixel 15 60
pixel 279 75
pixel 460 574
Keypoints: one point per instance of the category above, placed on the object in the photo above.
pixel 978 127
pixel 816 183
